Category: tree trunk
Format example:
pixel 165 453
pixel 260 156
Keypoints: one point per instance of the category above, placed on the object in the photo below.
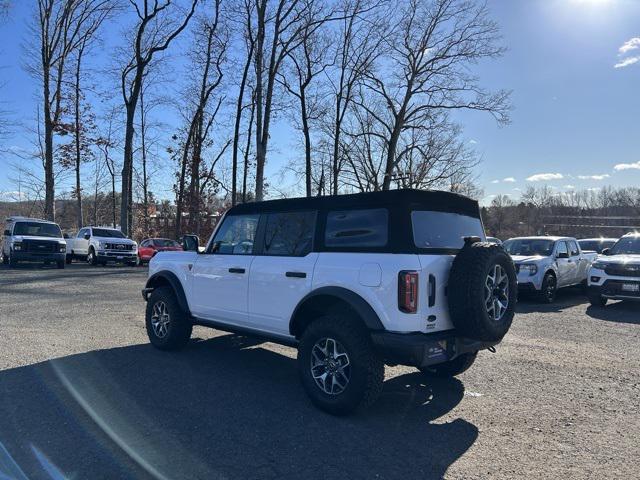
pixel 49 199
pixel 236 131
pixel 245 170
pixel 307 140
pixel 78 139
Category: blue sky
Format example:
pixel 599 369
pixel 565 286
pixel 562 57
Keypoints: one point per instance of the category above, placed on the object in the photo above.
pixel 575 115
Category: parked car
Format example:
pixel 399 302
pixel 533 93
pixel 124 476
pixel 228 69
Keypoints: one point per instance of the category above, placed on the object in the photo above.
pixel 596 244
pixel 353 281
pixel 32 240
pixel 150 246
pixel 495 240
pixel 100 245
pixel 615 275
pixel 545 264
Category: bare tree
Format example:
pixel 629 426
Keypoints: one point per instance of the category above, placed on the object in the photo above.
pixel 156 28
pixel 61 26
pixel 427 69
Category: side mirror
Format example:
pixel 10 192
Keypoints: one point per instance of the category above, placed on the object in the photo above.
pixel 190 243
pixel 7 233
pixel 87 236
pixel 65 235
pixel 606 251
pixel 562 255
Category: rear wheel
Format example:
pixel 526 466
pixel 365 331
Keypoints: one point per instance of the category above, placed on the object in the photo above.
pixel 12 261
pixel 549 288
pixel 339 369
pixel 454 367
pixel 5 259
pixel 168 326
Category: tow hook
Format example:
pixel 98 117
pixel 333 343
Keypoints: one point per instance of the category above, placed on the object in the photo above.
pixel 492 349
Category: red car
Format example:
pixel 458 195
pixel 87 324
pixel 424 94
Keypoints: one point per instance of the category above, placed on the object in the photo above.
pixel 149 247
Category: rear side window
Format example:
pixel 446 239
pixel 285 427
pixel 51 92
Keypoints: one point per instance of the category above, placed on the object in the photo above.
pixel 289 233
pixel 443 229
pixel 573 247
pixel 357 228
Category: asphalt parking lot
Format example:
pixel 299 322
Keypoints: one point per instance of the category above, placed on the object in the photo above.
pixel 83 395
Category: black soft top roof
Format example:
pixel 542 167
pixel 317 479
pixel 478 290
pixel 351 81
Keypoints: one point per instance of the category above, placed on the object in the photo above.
pixel 409 199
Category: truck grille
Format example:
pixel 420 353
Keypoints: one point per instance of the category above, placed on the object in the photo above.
pixel 121 247
pixel 623 270
pixel 39 246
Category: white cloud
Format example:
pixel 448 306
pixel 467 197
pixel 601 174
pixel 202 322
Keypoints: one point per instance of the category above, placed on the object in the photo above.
pixel 627 166
pixel 495 181
pixel 517 189
pixel 626 62
pixel 629 45
pixel 594 189
pixel 12 196
pixel 544 177
pixel 473 142
pixel 594 177
pixel 569 187
pixel 509 180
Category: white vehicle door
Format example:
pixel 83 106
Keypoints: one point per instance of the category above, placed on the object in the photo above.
pixel 579 263
pixel 80 244
pixel 220 276
pixel 566 267
pixel 282 271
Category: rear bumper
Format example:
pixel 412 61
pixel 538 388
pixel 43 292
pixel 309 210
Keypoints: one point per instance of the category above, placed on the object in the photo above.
pixel 424 349
pixel 38 257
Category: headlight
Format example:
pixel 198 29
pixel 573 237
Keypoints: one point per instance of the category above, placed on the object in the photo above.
pixel 101 245
pixel 17 246
pixel 599 265
pixel 529 267
pixel 62 248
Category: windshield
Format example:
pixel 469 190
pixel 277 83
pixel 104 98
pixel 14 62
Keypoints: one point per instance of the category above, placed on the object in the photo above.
pixel 107 233
pixel 595 245
pixel 627 246
pixel 444 229
pixel 529 247
pixel 164 242
pixel 37 229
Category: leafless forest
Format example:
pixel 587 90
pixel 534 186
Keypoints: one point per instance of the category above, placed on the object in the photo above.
pixel 371 87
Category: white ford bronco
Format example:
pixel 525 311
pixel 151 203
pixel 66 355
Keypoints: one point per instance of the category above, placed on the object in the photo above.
pixel 352 281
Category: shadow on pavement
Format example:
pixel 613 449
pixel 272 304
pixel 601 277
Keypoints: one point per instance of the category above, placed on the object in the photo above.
pixel 620 312
pixel 565 298
pixel 221 408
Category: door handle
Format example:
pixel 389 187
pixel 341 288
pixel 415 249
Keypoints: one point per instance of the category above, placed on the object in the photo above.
pixel 296 274
pixel 236 270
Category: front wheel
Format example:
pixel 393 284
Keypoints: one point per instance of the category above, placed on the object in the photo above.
pixel 449 369
pixel 69 259
pixel 92 258
pixel 338 366
pixel 61 264
pixel 549 288
pixel 596 299
pixel 5 259
pixel 168 326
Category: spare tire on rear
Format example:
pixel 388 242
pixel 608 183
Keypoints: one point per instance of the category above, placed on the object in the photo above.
pixel 482 291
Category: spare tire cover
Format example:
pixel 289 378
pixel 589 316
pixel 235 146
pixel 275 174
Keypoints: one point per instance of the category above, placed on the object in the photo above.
pixel 482 291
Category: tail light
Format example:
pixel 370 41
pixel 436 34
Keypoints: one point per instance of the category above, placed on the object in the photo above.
pixel 408 291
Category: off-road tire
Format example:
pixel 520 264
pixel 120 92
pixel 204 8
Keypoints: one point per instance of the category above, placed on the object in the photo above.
pixel 92 258
pixel 549 289
pixel 466 291
pixel 367 368
pixel 449 369
pixel 180 325
pixel 596 300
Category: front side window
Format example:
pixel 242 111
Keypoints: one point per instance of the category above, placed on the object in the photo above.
pixel 37 229
pixel 444 229
pixel 236 235
pixel 562 248
pixel 82 232
pixel 289 233
pixel 357 228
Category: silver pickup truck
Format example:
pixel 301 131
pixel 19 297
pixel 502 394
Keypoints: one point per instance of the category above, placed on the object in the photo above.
pixel 545 264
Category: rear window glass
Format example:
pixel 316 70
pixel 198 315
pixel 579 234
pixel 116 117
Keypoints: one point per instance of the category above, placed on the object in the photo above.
pixel 443 229
pixel 357 228
pixel 289 233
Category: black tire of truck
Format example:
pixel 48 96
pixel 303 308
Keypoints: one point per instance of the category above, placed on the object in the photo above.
pixel 449 369
pixel 596 300
pixel 482 291
pixel 61 264
pixel 168 326
pixel 358 369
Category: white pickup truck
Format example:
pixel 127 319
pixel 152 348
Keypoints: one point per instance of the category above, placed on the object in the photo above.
pixel 545 264
pixel 99 245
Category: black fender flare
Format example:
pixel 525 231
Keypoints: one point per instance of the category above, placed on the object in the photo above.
pixel 359 305
pixel 163 278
